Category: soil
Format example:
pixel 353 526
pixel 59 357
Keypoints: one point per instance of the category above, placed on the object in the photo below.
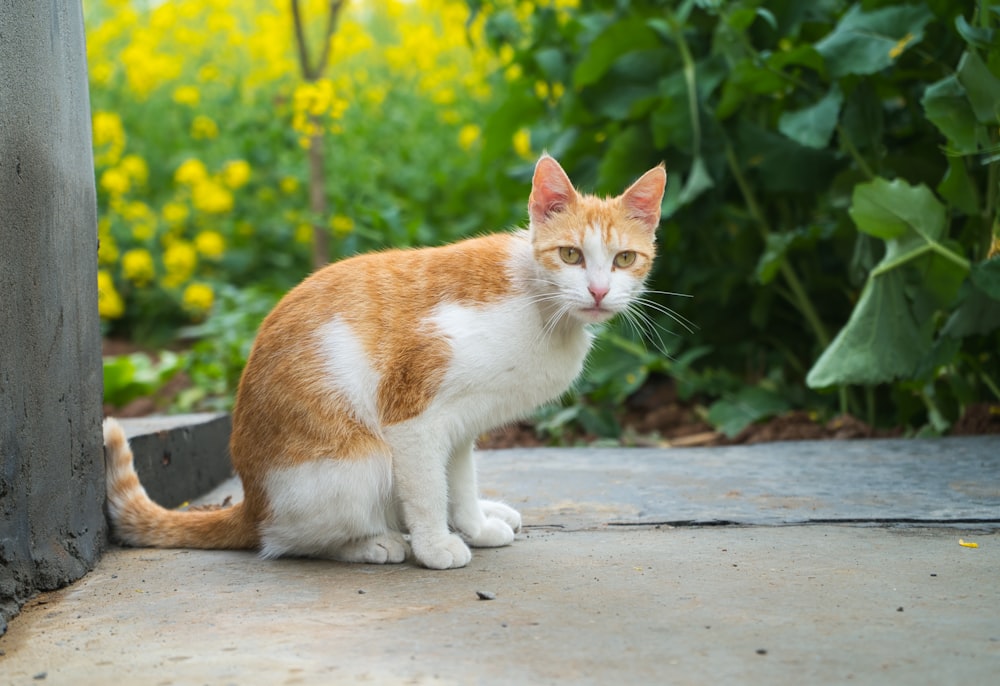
pixel 652 417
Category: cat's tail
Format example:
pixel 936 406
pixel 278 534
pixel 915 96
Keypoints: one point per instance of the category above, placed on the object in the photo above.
pixel 136 520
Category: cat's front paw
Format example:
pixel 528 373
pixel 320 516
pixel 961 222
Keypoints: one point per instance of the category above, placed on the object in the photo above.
pixel 449 552
pixel 505 513
pixel 494 533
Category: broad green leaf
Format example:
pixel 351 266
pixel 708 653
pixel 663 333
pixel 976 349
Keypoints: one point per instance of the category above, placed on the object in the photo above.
pixel 698 181
pixel 888 209
pixel 868 42
pixel 881 341
pixel 947 106
pixel 734 413
pixel 814 125
pixel 982 87
pixel 616 40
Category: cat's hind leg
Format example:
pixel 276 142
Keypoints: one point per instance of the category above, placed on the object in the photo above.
pixel 332 508
pixel 389 547
pixel 482 523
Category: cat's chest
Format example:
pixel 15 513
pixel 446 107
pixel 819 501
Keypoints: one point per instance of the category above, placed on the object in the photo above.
pixel 508 349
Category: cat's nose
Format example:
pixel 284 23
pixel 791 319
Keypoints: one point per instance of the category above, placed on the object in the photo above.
pixel 598 292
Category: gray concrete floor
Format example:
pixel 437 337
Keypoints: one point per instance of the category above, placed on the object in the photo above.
pixel 774 582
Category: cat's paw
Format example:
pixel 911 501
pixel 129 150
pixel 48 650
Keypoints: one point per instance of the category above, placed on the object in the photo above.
pixel 389 548
pixel 448 552
pixel 492 508
pixel 494 533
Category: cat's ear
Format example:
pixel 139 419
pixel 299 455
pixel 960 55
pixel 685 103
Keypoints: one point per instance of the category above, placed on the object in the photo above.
pixel 643 198
pixel 551 190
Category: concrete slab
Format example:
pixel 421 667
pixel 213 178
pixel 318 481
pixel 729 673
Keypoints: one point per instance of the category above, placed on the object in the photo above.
pixel 610 583
pixel 777 605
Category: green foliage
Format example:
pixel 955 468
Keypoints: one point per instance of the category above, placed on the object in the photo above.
pixel 127 377
pixel 833 166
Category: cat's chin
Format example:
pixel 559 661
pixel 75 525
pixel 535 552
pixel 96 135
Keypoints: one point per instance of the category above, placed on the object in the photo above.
pixel 594 315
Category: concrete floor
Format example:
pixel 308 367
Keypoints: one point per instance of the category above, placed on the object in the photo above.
pixel 592 592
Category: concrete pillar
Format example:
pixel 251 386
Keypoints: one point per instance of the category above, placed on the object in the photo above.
pixel 52 526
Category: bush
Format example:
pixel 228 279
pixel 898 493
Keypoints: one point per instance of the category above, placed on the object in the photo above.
pixel 833 168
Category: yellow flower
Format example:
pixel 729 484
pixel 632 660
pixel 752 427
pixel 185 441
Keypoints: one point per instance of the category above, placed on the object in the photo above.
pixel 175 213
pixel 522 143
pixel 288 185
pixel 191 172
pixel 179 261
pixel 187 95
pixel 109 302
pixel 137 266
pixel 107 249
pixel 210 244
pixel 136 168
pixel 236 173
pixel 197 298
pixel 114 181
pixel 468 136
pixel 212 197
pixel 204 128
pixel 109 137
pixel 341 225
pixel 897 50
pixel 304 233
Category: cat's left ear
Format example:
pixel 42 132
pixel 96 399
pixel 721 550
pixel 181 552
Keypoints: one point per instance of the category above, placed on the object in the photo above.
pixel 643 198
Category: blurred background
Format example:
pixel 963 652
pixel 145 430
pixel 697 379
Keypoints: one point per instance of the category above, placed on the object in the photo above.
pixel 829 249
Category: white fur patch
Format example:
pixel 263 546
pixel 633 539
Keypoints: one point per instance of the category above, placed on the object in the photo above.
pixel 351 373
pixel 316 507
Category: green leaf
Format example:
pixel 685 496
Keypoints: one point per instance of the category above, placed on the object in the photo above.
pixel 881 341
pixel 814 125
pixel 745 80
pixel 734 413
pixel 552 64
pixel 619 38
pixel 978 36
pixel 889 332
pixel 947 106
pixel 868 42
pixel 982 87
pixel 888 209
pixel 698 181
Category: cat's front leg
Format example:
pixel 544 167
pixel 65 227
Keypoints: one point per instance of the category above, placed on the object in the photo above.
pixel 420 471
pixel 482 523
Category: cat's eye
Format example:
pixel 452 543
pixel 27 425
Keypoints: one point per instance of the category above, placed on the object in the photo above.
pixel 625 259
pixel 571 255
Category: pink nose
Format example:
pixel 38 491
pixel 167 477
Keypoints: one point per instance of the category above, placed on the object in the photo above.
pixel 598 292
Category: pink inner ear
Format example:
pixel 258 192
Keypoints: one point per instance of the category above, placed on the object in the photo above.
pixel 551 190
pixel 643 198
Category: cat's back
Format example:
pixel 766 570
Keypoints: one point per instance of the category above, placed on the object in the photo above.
pixel 386 289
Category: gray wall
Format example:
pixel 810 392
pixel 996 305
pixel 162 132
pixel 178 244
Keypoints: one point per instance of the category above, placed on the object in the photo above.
pixel 52 527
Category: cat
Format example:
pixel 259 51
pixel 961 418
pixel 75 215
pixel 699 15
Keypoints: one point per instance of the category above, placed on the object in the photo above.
pixel 368 383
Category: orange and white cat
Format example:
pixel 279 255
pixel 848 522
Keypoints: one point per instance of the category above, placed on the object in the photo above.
pixel 369 382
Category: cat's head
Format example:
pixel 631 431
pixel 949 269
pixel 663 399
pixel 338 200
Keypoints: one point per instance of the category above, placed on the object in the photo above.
pixel 596 252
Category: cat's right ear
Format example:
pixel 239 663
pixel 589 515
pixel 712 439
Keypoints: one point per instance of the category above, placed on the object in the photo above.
pixel 551 190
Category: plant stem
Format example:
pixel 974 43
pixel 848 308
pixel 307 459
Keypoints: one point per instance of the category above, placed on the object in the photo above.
pixel 800 299
pixel 311 72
